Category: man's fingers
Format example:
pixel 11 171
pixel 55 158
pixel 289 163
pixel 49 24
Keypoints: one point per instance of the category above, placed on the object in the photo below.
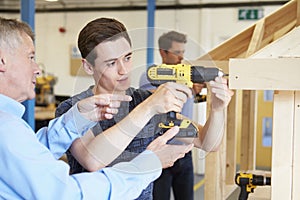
pixel 183 148
pixel 111 99
pixel 189 147
pixel 170 133
pixel 179 87
pixel 120 97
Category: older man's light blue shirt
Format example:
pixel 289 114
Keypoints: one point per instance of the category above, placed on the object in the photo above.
pixel 29 168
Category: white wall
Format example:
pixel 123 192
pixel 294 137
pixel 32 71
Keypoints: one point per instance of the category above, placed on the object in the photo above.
pixel 206 28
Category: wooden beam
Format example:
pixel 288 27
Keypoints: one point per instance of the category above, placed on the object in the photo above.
pixel 256 39
pixel 282 145
pixel 231 139
pixel 296 157
pixel 286 46
pixel 265 74
pixel 248 134
pixel 238 44
pixel 298 13
pixel 214 175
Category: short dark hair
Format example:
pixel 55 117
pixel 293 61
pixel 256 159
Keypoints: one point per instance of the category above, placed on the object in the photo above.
pixel 11 31
pixel 165 41
pixel 98 31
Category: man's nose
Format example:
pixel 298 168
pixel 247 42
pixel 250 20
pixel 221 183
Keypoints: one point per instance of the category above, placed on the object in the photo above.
pixel 122 68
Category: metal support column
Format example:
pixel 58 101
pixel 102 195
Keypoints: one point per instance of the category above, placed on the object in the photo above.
pixel 150 32
pixel 27 15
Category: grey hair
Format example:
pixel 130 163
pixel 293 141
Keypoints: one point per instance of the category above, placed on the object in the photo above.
pixel 11 31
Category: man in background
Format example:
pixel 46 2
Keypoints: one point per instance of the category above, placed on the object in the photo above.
pixel 180 176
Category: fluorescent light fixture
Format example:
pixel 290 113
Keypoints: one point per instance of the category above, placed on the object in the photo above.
pixel 51 0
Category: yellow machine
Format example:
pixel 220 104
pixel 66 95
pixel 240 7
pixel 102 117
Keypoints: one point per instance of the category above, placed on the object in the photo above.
pixel 248 183
pixel 45 90
pixel 183 74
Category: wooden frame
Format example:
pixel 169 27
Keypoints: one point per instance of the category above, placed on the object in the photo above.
pixel 221 165
pixel 286 144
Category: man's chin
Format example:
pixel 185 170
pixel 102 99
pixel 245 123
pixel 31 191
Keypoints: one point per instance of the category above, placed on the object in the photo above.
pixel 121 88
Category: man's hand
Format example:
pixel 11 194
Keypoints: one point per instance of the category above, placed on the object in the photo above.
pixel 221 94
pixel 168 97
pixel 102 106
pixel 168 153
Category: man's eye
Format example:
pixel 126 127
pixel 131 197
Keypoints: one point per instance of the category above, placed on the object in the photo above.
pixel 128 58
pixel 110 64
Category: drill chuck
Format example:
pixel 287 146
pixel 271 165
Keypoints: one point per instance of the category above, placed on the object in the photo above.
pixel 261 180
pixel 203 74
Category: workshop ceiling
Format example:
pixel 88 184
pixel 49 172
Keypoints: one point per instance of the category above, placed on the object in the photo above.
pixel 43 4
pixel 77 5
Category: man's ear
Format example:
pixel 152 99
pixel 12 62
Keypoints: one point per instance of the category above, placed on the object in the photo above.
pixel 162 53
pixel 88 68
pixel 2 62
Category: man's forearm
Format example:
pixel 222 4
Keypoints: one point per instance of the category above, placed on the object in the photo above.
pixel 114 140
pixel 213 131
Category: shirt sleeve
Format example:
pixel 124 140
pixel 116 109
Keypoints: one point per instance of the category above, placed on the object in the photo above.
pixel 125 180
pixel 31 172
pixel 62 131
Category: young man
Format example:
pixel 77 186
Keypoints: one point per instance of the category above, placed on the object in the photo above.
pixel 179 177
pixel 106 52
pixel 29 165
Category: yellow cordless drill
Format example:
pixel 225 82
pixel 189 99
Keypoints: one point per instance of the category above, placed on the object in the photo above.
pixel 248 183
pixel 183 74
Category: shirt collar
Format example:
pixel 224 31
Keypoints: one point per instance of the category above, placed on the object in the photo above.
pixel 12 106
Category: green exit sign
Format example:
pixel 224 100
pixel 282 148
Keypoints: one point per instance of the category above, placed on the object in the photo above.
pixel 251 13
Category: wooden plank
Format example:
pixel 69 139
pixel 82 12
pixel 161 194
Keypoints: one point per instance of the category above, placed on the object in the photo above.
pixel 213 189
pixel 286 46
pixel 231 146
pixel 298 13
pixel 265 74
pixel 282 143
pixel 296 161
pixel 284 30
pixel 248 134
pixel 238 45
pixel 280 18
pixel 215 167
pixel 256 39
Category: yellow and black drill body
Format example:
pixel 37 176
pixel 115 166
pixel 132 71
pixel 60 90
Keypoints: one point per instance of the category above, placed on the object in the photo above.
pixel 248 182
pixel 186 75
